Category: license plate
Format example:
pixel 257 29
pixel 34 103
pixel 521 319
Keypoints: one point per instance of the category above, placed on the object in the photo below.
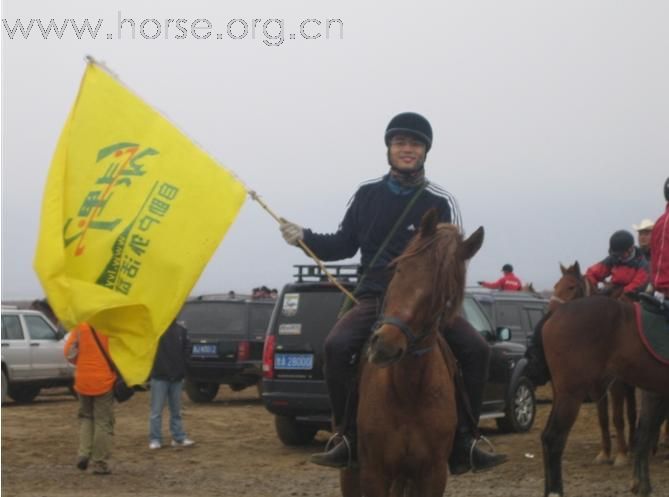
pixel 205 349
pixel 293 361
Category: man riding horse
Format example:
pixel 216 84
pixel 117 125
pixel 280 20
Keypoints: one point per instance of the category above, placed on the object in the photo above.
pixel 382 216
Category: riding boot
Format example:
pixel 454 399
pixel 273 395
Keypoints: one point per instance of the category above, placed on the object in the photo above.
pixel 343 455
pixel 467 456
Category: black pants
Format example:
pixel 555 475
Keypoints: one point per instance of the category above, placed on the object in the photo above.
pixel 346 339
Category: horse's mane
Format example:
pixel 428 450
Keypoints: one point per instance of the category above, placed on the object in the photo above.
pixel 449 272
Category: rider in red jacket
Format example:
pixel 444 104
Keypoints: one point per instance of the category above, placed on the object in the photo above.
pixel 507 282
pixel 659 249
pixel 625 264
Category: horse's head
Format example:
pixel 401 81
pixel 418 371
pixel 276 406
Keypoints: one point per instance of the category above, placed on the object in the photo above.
pixel 427 289
pixel 572 285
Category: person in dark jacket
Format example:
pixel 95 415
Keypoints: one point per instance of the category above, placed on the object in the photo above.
pixel 644 232
pixel 372 214
pixel 169 370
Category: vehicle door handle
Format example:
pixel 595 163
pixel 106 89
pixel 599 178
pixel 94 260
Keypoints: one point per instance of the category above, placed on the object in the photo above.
pixel 5 345
pixel 34 344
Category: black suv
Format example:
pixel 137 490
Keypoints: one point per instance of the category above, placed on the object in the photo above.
pixel 294 389
pixel 226 342
pixel 518 311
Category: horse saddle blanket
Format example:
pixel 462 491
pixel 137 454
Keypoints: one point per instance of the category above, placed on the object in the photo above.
pixel 653 329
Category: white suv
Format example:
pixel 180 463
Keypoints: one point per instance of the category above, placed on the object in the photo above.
pixel 32 355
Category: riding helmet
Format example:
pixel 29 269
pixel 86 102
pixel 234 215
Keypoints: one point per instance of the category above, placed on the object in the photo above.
pixel 410 123
pixel 621 241
pixel 666 190
pixel 507 268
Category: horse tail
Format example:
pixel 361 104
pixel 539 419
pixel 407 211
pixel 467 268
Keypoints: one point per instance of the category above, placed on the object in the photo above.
pixel 537 368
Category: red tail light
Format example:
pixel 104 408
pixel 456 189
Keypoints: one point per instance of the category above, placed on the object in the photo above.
pixel 243 351
pixel 268 357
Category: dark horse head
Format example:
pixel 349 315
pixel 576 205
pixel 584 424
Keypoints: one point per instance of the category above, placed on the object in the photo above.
pixel 426 290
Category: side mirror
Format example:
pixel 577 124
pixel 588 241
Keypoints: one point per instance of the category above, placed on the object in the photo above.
pixel 503 334
pixel 60 334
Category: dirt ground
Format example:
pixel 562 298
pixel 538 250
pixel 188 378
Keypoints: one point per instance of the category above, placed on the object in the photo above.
pixel 238 454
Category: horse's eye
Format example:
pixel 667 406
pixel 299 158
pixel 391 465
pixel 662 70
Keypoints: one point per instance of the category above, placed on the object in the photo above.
pixel 571 288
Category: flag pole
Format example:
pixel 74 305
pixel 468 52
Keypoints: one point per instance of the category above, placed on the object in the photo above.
pixel 304 246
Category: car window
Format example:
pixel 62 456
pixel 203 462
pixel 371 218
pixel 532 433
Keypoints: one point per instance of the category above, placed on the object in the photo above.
pixel 38 329
pixel 535 316
pixel 214 317
pixel 475 316
pixel 259 318
pixel 508 315
pixel 11 328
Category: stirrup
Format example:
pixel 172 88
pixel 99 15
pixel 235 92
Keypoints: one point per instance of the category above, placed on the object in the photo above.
pixel 485 440
pixel 344 439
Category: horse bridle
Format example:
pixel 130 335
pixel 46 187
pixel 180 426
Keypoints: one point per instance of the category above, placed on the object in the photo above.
pixel 413 339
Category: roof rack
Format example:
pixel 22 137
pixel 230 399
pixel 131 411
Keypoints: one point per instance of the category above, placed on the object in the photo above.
pixel 312 272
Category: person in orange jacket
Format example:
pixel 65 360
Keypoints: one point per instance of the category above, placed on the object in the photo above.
pixel 507 282
pixel 94 382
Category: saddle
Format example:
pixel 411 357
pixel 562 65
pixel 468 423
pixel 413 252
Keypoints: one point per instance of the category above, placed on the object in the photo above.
pixel 652 318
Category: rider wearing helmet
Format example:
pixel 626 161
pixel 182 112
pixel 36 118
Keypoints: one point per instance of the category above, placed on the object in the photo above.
pixel 368 225
pixel 625 264
pixel 508 282
pixel 659 250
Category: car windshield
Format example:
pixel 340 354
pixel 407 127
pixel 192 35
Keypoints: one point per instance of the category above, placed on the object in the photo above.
pixel 215 317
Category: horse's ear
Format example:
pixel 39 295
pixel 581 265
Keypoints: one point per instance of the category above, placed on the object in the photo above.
pixel 577 268
pixel 472 244
pixel 563 269
pixel 428 225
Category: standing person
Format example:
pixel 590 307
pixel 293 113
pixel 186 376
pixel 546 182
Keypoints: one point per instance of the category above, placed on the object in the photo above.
pixel 167 375
pixel 93 381
pixel 372 224
pixel 644 231
pixel 508 281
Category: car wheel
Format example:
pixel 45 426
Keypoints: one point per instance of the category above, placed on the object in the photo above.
pixel 293 433
pixel 521 408
pixel 5 386
pixel 24 394
pixel 201 392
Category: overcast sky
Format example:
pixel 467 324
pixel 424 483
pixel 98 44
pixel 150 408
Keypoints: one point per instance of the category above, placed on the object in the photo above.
pixel 551 119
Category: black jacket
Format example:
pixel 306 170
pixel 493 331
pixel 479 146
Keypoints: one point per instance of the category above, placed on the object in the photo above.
pixel 170 361
pixel 372 212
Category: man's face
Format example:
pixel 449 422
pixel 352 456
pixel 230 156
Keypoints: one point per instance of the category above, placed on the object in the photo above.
pixel 406 153
pixel 644 238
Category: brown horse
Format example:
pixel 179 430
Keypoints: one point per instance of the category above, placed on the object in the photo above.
pixel 588 343
pixel 407 413
pixel 573 285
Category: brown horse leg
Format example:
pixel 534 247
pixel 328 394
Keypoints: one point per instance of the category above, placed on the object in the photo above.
pixel 349 481
pixel 374 482
pixel 554 438
pixel 654 409
pixel 432 483
pixel 617 391
pixel 630 400
pixel 599 395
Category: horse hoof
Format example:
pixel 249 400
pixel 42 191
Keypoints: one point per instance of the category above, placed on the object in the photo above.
pixel 602 458
pixel 634 487
pixel 621 460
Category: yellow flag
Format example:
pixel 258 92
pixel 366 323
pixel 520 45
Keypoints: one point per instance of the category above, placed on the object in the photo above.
pixel 132 212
